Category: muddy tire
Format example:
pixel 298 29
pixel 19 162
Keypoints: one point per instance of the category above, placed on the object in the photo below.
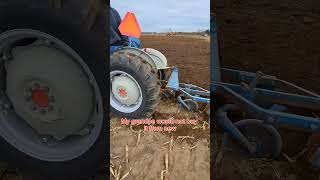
pixel 146 86
pixel 80 25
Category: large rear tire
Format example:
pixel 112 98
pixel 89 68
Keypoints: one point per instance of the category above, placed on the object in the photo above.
pixel 142 86
pixel 81 27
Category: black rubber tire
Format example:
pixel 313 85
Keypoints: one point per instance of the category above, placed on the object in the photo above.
pixel 148 80
pixel 81 30
pixel 266 138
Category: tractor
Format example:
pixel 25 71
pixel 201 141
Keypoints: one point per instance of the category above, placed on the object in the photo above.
pixel 140 76
pixel 53 87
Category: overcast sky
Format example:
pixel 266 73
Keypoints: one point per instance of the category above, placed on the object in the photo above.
pixel 167 15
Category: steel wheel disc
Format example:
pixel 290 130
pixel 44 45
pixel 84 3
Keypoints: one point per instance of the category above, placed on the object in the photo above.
pixel 56 108
pixel 129 104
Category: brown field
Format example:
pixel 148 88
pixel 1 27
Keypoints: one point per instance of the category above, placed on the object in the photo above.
pixel 190 54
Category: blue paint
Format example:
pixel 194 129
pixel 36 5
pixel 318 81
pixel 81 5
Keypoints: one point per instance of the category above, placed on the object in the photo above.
pixel 189 91
pixel 173 82
pixel 133 42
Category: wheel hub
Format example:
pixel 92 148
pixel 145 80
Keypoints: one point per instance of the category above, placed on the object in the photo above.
pixel 125 90
pixel 123 93
pixel 38 84
pixel 53 106
pixel 40 98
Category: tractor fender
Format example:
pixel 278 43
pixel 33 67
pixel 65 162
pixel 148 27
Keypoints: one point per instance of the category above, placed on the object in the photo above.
pixel 139 52
pixel 158 58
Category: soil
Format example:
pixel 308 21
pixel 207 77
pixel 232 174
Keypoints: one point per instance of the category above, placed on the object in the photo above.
pixel 188 158
pixel 277 37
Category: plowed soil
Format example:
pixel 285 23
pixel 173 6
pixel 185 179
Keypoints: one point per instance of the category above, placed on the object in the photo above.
pixel 190 54
pixel 188 159
pixel 278 37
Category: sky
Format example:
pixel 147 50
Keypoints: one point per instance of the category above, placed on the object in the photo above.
pixel 167 15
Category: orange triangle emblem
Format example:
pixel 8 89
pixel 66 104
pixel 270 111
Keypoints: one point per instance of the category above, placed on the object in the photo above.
pixel 129 26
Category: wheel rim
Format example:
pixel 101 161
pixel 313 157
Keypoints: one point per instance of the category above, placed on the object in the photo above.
pixel 40 119
pixel 122 82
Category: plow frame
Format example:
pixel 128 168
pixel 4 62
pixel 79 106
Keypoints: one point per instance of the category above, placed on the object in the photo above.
pixel 190 91
pixel 259 95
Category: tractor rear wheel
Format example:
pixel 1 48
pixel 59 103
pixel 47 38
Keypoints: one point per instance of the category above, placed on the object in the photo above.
pixel 135 88
pixel 53 87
